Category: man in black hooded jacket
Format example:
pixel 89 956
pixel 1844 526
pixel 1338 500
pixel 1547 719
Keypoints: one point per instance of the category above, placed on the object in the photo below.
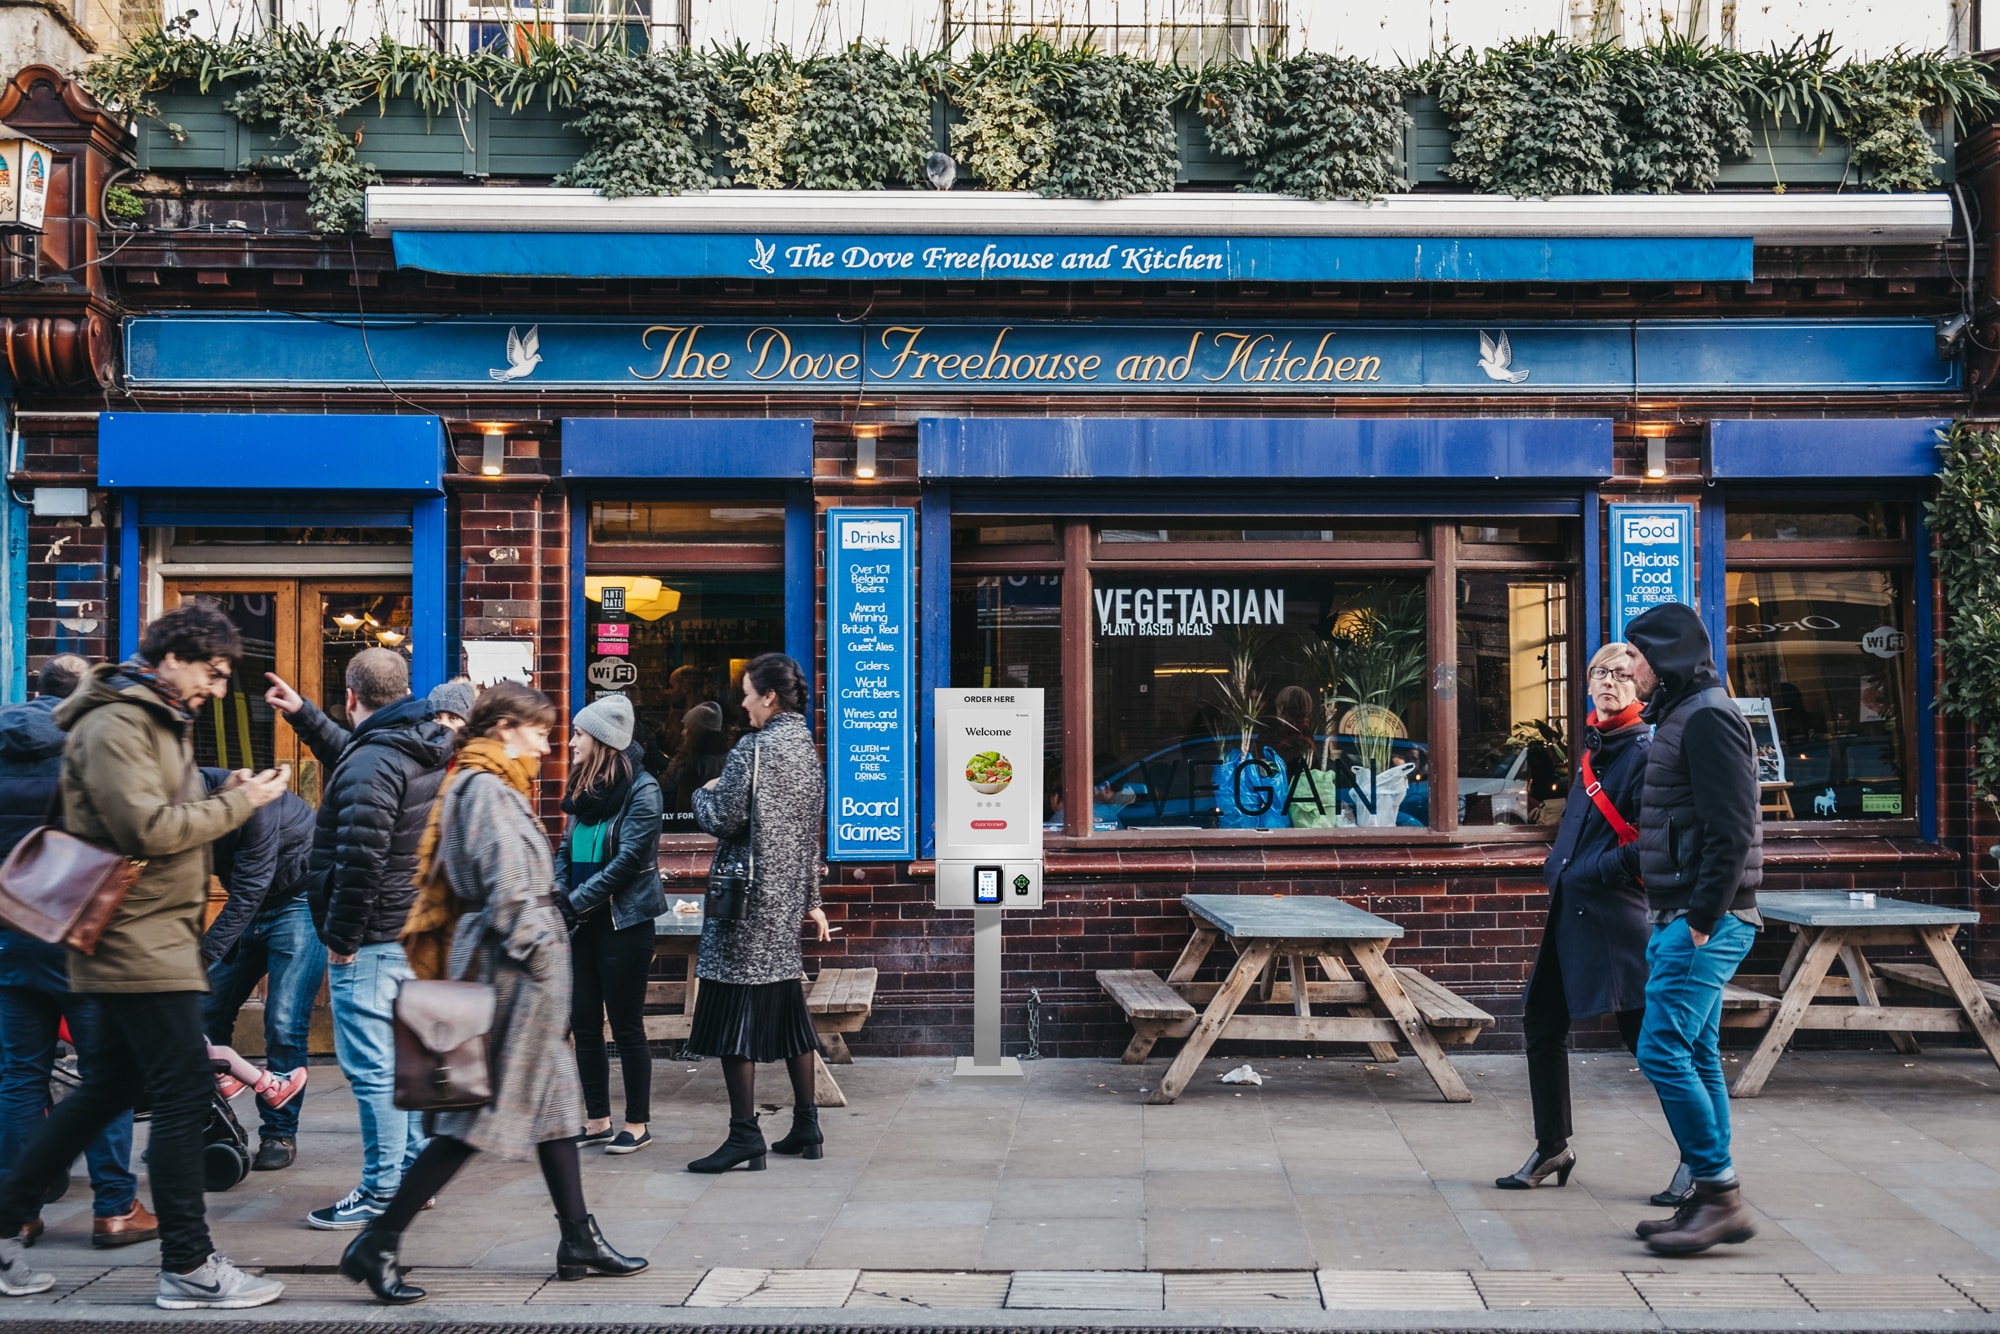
pixel 380 782
pixel 1701 857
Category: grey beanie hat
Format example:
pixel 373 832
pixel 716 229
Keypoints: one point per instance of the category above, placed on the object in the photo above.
pixel 609 720
pixel 453 697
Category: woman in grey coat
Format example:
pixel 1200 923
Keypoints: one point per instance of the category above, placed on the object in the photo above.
pixel 495 858
pixel 752 1006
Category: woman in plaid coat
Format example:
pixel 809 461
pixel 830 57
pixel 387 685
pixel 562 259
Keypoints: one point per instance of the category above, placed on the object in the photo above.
pixel 496 869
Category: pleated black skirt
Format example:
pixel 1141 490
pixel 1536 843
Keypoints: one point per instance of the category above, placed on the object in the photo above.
pixel 767 1022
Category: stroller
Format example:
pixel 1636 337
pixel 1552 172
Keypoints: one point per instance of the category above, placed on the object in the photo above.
pixel 225 1144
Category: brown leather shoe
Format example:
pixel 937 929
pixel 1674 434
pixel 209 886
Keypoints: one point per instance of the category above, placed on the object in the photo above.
pixel 31 1232
pixel 1715 1216
pixel 1653 1227
pixel 125 1230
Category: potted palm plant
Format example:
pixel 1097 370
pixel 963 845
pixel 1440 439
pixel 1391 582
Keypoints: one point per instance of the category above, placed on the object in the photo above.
pixel 1249 785
pixel 1379 643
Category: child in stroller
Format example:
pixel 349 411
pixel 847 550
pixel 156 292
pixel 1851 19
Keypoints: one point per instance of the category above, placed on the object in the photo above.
pixel 233 1074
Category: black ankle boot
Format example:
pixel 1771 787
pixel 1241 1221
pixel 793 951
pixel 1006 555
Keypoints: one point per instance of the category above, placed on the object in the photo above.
pixel 745 1146
pixel 371 1259
pixel 584 1252
pixel 805 1138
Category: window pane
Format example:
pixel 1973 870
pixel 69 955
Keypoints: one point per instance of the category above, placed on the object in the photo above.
pixel 1006 630
pixel 1290 530
pixel 677 649
pixel 1817 523
pixel 1513 532
pixel 685 522
pixel 289 537
pixel 1821 664
pixel 1513 699
pixel 1001 533
pixel 1265 702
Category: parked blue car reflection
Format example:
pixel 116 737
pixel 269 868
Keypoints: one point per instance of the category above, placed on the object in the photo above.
pixel 1175 787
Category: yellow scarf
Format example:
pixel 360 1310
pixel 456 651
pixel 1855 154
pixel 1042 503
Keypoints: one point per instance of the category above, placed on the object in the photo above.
pixel 433 918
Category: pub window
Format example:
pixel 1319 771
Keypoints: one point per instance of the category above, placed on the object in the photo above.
pixel 1006 631
pixel 1513 698
pixel 1821 656
pixel 678 597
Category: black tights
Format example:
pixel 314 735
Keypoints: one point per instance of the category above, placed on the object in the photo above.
pixel 739 1076
pixel 443 1156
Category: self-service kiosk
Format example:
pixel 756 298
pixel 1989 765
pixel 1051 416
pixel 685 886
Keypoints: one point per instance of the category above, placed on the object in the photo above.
pixel 989 840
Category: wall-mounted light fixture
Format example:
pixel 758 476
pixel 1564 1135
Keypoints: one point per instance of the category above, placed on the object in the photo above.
pixel 24 181
pixel 493 452
pixel 1655 436
pixel 864 451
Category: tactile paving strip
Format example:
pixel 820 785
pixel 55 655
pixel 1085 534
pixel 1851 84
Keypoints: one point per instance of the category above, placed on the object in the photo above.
pixel 1398 1290
pixel 1513 1291
pixel 963 1292
pixel 1982 1288
pixel 1681 1291
pixel 1227 1292
pixel 775 1287
pixel 67 1282
pixel 1086 1290
pixel 1880 1292
pixel 648 1287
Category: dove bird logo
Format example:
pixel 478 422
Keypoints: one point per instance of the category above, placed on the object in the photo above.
pixel 761 255
pixel 1496 358
pixel 523 355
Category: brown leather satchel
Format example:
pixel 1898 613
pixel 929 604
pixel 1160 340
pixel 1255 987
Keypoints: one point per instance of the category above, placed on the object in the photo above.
pixel 442 1030
pixel 62 889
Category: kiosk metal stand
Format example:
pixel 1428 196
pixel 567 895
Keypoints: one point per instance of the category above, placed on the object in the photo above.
pixel 989 842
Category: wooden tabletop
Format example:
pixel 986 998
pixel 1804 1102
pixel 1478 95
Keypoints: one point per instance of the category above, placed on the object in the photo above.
pixel 1288 917
pixel 671 923
pixel 1834 908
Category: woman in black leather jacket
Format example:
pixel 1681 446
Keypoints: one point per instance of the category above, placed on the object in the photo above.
pixel 607 865
pixel 1592 959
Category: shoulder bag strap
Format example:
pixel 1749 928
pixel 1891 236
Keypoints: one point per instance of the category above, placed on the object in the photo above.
pixel 1602 800
pixel 750 858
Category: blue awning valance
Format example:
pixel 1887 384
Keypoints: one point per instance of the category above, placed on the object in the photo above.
pixel 688 447
pixel 1571 448
pixel 243 451
pixel 1844 447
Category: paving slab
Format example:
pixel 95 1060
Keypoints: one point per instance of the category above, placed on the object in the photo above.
pixel 1880 1292
pixel 1558 1292
pixel 1982 1288
pixel 1684 1291
pixel 1398 1290
pixel 774 1287
pixel 957 1291
pixel 1255 1291
pixel 1087 1290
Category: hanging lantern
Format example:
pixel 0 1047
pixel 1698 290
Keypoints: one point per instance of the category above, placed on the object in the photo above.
pixel 24 181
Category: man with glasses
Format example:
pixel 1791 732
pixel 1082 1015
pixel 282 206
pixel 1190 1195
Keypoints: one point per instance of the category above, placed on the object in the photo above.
pixel 129 782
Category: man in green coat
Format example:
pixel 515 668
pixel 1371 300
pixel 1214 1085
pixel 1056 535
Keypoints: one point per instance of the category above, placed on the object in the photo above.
pixel 129 782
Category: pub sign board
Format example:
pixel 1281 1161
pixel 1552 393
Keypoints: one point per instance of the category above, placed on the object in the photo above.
pixel 1652 560
pixel 871 705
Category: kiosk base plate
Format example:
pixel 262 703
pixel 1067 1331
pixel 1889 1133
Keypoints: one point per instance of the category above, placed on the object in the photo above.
pixel 970 1071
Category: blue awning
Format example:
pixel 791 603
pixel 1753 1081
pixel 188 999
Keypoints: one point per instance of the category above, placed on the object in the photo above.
pixel 939 256
pixel 1843 447
pixel 251 451
pixel 689 447
pixel 1575 448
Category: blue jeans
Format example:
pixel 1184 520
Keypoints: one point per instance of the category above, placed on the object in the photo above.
pixel 282 944
pixel 28 1019
pixel 363 993
pixel 1680 1043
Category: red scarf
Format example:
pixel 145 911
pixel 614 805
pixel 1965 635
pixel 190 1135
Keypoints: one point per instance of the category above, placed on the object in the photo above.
pixel 1619 721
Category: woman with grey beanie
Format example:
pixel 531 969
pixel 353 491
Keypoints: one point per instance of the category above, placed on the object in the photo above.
pixel 751 1006
pixel 607 867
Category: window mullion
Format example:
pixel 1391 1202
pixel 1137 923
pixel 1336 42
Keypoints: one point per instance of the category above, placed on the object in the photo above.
pixel 1077 803
pixel 1443 628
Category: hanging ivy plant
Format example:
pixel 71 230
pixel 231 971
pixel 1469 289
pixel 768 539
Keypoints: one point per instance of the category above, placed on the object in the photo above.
pixel 304 87
pixel 1113 128
pixel 1680 109
pixel 1966 520
pixel 1313 126
pixel 647 120
pixel 1006 136
pixel 864 120
pixel 1534 117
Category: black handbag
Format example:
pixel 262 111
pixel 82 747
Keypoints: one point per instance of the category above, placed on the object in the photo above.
pixel 733 874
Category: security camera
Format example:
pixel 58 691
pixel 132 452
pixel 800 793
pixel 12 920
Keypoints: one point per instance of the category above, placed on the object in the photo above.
pixel 1950 336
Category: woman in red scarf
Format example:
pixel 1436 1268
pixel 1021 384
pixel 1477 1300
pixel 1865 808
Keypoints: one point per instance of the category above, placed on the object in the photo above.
pixel 1592 959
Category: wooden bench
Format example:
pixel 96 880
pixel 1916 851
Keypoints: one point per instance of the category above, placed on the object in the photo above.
pixel 1455 1020
pixel 1746 1007
pixel 840 1000
pixel 1154 1008
pixel 1926 978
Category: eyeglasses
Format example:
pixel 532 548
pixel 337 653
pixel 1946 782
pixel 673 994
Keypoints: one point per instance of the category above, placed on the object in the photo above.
pixel 215 674
pixel 1610 674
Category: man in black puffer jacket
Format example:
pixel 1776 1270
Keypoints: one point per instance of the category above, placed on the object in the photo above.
pixel 1701 857
pixel 380 782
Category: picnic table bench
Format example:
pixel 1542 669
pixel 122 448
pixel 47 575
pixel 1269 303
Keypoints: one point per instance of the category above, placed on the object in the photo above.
pixel 1379 1007
pixel 1830 926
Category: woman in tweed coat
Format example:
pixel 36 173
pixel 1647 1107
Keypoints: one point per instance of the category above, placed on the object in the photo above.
pixel 494 856
pixel 751 1006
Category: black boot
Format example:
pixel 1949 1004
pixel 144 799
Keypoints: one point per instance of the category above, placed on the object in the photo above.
pixel 1679 1191
pixel 745 1147
pixel 805 1138
pixel 371 1259
pixel 584 1252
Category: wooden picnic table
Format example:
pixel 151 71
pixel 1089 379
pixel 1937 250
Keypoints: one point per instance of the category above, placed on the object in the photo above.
pixel 1828 926
pixel 1380 1007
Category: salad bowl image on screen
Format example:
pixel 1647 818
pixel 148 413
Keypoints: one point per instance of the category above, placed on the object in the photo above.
pixel 989 772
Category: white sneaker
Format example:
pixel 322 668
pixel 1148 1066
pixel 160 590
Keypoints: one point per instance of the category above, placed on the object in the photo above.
pixel 18 1278
pixel 218 1286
